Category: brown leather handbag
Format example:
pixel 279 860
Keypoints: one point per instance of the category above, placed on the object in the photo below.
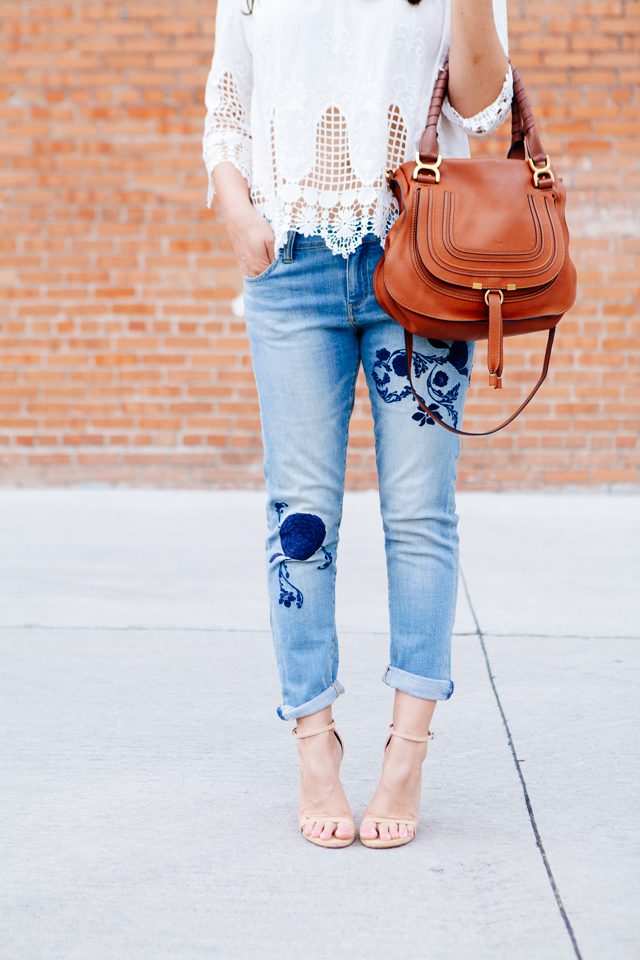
pixel 480 249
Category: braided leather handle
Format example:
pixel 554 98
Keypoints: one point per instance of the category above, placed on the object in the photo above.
pixel 523 125
pixel 408 340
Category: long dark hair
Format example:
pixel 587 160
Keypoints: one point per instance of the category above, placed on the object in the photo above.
pixel 251 2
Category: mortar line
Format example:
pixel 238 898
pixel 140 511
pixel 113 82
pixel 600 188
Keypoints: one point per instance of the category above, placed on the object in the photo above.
pixel 527 799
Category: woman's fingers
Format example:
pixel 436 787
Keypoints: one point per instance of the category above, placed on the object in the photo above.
pixel 270 243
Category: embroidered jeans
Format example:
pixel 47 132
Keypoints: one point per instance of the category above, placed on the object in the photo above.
pixel 312 318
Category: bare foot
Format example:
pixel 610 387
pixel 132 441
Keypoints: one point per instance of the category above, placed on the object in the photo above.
pixel 320 789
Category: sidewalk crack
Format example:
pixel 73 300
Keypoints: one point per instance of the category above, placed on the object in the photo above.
pixel 517 763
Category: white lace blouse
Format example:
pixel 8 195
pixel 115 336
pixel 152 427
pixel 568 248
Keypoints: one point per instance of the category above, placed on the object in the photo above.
pixel 313 100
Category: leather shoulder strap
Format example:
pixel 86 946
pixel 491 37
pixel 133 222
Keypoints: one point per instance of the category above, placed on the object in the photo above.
pixel 408 339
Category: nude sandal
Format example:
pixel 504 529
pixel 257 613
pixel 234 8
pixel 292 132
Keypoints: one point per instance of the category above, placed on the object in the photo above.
pixel 400 841
pixel 326 817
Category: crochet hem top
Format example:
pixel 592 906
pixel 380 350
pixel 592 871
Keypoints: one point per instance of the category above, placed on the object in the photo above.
pixel 314 100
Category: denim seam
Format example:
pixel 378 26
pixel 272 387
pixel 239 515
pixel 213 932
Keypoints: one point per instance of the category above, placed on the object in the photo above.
pixel 288 251
pixel 333 651
pixel 353 305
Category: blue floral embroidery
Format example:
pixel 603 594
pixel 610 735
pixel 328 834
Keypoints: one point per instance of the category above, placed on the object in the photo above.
pixel 421 417
pixel 287 597
pixel 279 507
pixel 390 375
pixel 301 535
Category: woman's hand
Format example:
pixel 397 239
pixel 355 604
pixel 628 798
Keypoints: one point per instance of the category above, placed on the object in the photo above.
pixel 250 234
pixel 252 239
pixel 477 62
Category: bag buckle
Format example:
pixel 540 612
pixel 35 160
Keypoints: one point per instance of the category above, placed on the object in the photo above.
pixel 538 172
pixel 431 167
pixel 486 296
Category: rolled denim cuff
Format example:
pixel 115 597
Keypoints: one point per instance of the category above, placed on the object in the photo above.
pixel 422 687
pixel 287 712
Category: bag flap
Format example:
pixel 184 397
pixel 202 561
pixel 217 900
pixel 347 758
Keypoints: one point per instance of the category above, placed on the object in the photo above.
pixel 485 225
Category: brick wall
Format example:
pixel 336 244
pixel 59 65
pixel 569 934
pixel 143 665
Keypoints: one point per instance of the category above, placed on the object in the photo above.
pixel 121 359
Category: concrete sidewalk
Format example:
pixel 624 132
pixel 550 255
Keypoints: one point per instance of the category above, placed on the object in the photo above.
pixel 141 748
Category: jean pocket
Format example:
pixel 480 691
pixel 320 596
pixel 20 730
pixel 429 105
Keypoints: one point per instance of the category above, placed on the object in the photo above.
pixel 265 273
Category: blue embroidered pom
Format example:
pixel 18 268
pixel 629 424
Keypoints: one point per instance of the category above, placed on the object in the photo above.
pixel 301 535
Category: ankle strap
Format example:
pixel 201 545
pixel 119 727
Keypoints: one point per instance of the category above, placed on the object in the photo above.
pixel 313 733
pixel 407 736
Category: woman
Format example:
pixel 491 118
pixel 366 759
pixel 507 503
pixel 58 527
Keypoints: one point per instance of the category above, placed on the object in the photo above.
pixel 309 103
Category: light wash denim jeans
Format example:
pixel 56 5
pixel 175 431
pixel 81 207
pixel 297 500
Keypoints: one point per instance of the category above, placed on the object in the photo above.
pixel 312 318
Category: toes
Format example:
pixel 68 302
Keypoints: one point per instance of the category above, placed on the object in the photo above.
pixel 326 829
pixel 387 831
pixel 369 832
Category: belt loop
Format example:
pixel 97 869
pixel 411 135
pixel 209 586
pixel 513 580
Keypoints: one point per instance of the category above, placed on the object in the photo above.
pixel 288 249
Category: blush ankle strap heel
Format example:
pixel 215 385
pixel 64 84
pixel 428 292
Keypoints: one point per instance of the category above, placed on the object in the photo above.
pixel 304 819
pixel 376 842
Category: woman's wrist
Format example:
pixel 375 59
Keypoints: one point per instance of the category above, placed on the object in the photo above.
pixel 233 193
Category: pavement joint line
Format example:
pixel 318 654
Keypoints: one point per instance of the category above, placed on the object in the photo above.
pixel 527 799
pixel 53 626
pixel 376 633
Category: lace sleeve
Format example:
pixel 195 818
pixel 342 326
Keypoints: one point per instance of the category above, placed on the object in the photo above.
pixel 496 113
pixel 488 119
pixel 227 130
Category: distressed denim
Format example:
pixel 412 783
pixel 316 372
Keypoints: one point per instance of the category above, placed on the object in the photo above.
pixel 312 319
